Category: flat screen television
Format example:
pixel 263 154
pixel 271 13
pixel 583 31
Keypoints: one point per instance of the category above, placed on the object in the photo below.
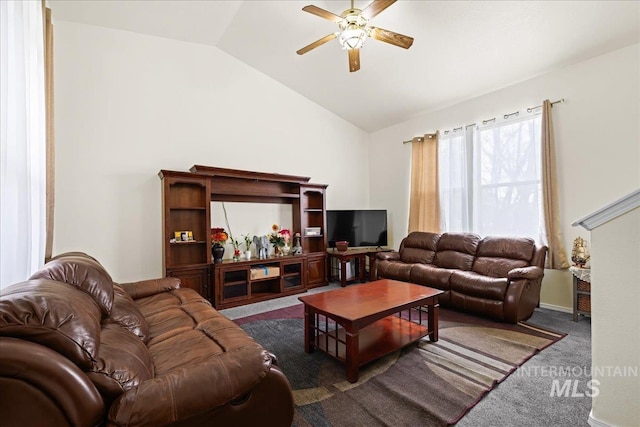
pixel 359 227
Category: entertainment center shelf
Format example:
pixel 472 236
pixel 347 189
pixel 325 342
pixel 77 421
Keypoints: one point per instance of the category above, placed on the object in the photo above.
pixel 187 197
pixel 258 280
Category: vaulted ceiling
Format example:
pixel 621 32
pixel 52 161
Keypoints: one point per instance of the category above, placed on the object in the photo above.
pixel 462 49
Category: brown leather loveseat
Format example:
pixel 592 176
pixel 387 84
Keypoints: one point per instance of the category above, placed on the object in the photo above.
pixel 78 350
pixel 495 277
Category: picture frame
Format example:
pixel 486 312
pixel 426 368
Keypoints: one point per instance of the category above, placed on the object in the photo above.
pixel 183 236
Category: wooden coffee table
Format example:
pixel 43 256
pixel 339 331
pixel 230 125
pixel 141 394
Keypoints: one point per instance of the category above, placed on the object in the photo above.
pixel 362 323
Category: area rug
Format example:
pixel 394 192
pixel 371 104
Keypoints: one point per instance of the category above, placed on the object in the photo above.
pixel 425 384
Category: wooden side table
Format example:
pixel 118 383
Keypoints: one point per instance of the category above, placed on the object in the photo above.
pixel 343 257
pixel 581 292
pixel 361 255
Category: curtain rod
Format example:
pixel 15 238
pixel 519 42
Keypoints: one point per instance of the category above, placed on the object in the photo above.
pixel 484 122
pixel 421 138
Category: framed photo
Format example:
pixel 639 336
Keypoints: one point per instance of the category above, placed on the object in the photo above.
pixel 183 236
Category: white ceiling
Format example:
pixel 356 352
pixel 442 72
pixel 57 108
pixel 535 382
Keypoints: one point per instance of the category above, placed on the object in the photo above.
pixel 462 49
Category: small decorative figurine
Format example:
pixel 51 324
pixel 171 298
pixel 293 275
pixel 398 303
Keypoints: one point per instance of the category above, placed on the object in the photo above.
pixel 262 246
pixel 580 252
pixel 297 248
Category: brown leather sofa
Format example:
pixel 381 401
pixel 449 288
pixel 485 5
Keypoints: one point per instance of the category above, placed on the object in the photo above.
pixel 495 277
pixel 78 350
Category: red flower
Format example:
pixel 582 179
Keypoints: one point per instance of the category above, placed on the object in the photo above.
pixel 218 235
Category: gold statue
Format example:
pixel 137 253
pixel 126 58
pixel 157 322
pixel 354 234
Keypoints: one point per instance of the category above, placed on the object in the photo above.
pixel 580 252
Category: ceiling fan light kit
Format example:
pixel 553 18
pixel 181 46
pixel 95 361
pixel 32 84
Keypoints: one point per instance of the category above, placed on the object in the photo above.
pixel 355 29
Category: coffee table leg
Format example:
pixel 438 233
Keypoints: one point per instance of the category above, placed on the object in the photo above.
pixel 433 320
pixel 309 329
pixel 352 353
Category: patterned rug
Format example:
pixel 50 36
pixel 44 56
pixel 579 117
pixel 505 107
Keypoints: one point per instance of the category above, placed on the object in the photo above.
pixel 425 384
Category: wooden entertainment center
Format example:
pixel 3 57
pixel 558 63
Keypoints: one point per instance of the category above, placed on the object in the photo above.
pixel 186 206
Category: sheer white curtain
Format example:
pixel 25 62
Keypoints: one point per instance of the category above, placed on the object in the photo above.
pixel 454 152
pixel 22 140
pixel 490 178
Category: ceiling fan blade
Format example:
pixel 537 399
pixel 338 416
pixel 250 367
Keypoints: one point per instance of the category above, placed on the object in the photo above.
pixel 315 10
pixel 376 7
pixel 354 60
pixel 391 37
pixel 316 43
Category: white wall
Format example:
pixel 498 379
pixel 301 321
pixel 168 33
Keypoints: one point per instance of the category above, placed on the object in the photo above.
pixel 615 295
pixel 128 105
pixel 597 144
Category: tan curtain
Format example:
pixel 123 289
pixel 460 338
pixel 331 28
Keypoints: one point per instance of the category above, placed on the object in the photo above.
pixel 48 82
pixel 557 256
pixel 424 200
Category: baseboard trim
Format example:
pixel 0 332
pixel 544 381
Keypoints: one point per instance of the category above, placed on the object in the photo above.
pixel 595 423
pixel 556 308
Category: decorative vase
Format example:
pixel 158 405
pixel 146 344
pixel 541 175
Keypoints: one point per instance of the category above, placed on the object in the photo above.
pixel 217 250
pixel 276 250
pixel 247 255
pixel 236 254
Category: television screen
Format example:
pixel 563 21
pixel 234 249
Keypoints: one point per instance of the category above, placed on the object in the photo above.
pixel 358 227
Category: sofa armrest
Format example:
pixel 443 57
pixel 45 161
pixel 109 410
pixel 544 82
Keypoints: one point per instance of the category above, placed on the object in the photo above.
pixel 146 288
pixel 388 256
pixel 529 273
pixel 39 386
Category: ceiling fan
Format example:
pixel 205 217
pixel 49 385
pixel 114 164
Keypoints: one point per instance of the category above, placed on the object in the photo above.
pixel 354 29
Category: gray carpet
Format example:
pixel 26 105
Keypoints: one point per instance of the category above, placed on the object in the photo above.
pixel 550 389
pixel 525 398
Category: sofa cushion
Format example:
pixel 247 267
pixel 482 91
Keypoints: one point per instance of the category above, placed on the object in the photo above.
pixel 432 276
pixel 183 395
pixel 456 250
pixel 496 256
pixel 126 313
pixel 84 273
pixel 46 312
pixel 475 305
pixel 123 361
pixel 189 331
pixel 396 270
pixel 507 247
pixel 474 284
pixel 419 247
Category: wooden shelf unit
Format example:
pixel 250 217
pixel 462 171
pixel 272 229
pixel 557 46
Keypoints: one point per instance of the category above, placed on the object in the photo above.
pixel 234 285
pixel 187 198
pixel 310 211
pixel 186 207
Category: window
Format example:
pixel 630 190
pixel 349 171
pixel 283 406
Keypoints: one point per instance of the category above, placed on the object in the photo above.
pixel 22 141
pixel 490 179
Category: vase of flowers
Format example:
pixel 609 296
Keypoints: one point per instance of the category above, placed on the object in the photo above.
pixel 218 239
pixel 236 249
pixel 279 238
